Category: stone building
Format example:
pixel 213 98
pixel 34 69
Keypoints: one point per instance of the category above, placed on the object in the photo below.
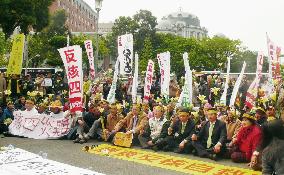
pixel 182 24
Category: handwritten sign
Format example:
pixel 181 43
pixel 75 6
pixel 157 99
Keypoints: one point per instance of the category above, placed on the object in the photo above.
pixel 39 126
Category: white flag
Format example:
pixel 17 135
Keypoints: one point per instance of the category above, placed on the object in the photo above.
pixel 111 94
pixel 237 85
pixel 224 95
pixel 135 80
pixel 188 76
pixel 125 53
pixel 165 68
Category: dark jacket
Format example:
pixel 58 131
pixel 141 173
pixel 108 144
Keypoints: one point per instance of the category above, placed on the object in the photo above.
pixel 219 133
pixel 6 114
pixel 273 157
pixel 188 131
pixel 163 134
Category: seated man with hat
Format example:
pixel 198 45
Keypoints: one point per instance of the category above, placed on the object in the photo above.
pixel 211 139
pixel 56 110
pixel 42 108
pixel 180 132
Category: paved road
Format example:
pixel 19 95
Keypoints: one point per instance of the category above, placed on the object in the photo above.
pixel 66 152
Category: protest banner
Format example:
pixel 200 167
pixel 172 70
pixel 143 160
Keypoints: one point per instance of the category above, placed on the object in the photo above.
pixel 90 54
pixel 72 59
pixel 16 57
pixel 125 53
pixel 39 126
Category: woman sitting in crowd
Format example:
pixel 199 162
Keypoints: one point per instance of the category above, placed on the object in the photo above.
pixel 247 140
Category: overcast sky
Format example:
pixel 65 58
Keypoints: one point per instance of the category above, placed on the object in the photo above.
pixel 247 20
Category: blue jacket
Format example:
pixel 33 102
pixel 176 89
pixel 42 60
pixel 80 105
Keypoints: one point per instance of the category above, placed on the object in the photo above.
pixel 6 114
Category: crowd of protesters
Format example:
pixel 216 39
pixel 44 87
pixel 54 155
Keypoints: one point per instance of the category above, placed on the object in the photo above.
pixel 205 128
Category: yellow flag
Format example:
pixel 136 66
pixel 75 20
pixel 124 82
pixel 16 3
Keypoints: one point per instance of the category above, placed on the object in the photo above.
pixel 16 57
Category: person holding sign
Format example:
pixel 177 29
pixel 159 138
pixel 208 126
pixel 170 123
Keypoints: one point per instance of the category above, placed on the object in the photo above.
pixel 133 123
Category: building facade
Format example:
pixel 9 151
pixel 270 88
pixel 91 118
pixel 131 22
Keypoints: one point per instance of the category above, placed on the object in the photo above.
pixel 105 28
pixel 182 24
pixel 80 16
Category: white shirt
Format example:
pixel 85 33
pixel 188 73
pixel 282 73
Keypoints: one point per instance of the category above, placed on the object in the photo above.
pixel 156 126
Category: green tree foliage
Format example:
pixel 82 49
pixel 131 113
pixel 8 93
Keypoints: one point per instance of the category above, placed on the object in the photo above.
pixel 146 54
pixel 46 43
pixel 141 25
pixel 5 46
pixel 23 13
pixel 147 28
pixel 204 54
pixel 250 57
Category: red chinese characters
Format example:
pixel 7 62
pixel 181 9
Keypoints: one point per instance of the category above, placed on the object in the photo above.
pixel 148 80
pixel 70 56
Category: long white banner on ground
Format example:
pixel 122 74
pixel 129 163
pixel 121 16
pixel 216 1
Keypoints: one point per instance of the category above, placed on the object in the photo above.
pixel 39 126
pixel 20 162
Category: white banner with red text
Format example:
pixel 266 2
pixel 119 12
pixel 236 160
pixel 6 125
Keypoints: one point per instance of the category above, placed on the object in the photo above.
pixel 148 80
pixel 72 59
pixel 90 54
pixel 165 71
pixel 274 53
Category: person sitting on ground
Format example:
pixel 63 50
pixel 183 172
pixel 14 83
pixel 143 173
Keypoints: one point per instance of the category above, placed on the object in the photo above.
pixel 269 133
pixel 247 140
pixel 210 141
pixel 104 128
pixel 273 147
pixel 56 110
pixel 233 124
pixel 20 104
pixel 30 106
pixel 270 113
pixel 260 115
pixel 155 131
pixel 133 123
pixel 86 122
pixel 180 132
pixel 146 109
pixel 42 108
pixel 7 117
